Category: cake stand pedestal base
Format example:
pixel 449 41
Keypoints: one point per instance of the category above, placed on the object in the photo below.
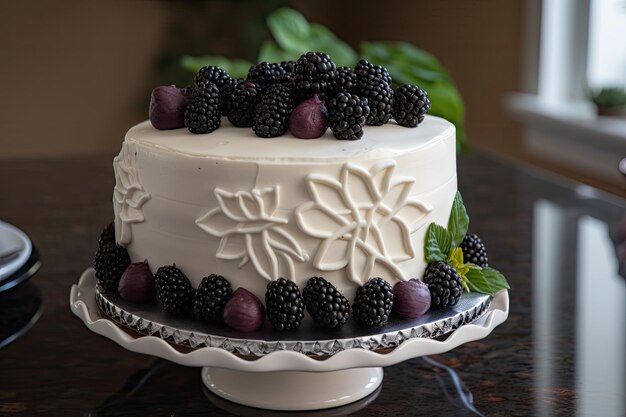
pixel 293 390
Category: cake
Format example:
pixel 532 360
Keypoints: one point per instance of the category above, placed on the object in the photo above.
pixel 254 210
pixel 306 186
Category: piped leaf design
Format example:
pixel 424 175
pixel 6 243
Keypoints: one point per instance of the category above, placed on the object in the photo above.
pixel 372 225
pixel 128 195
pixel 250 231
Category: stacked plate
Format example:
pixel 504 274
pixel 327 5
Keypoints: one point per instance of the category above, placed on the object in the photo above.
pixel 19 260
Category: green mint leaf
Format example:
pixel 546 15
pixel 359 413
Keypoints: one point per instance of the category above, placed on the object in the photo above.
pixel 485 280
pixel 438 243
pixel 476 280
pixel 455 259
pixel 497 280
pixel 459 220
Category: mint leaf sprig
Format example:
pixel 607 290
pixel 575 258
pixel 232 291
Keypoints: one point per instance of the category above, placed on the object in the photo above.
pixel 442 245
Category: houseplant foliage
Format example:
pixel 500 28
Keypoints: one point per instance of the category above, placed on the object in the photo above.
pixel 610 101
pixel 294 35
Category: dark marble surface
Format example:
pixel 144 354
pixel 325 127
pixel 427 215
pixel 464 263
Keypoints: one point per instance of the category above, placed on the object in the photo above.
pixel 550 238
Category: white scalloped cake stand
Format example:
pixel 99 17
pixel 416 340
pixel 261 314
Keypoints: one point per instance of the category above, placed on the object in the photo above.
pixel 284 380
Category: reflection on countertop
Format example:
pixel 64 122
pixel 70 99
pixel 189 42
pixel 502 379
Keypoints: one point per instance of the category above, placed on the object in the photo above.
pixel 574 249
pixel 20 309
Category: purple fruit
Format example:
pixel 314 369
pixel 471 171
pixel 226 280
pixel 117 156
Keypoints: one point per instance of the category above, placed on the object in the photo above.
pixel 411 298
pixel 244 311
pixel 137 283
pixel 310 119
pixel 167 107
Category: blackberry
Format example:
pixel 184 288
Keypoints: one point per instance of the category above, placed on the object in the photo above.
pixel 107 235
pixel 373 303
pixel 220 78
pixel 265 74
pixel 410 105
pixel 316 65
pixel 287 78
pixel 202 115
pixel 215 75
pixel 348 113
pixel 368 73
pixel 327 306
pixel 271 117
pixel 110 262
pixel 345 80
pixel 211 297
pixel 444 283
pixel 173 289
pixel 474 250
pixel 288 67
pixel 380 99
pixel 314 74
pixel 285 307
pixel 241 104
pixel 225 96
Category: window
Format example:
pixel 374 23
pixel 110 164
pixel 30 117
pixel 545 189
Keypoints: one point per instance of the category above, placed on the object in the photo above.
pixel 606 57
pixel 572 46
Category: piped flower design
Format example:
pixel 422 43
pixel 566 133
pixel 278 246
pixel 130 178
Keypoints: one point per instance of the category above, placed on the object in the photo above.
pixel 128 195
pixel 250 230
pixel 364 218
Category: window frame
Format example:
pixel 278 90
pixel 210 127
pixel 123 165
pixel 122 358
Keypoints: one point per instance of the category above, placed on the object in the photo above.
pixel 560 125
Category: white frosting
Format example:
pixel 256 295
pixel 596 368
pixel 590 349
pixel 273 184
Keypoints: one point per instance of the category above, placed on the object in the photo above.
pixel 254 209
pixel 228 142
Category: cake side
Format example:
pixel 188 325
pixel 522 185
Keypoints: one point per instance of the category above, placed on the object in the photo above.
pixel 254 210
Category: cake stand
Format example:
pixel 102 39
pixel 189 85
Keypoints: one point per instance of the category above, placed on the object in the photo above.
pixel 278 375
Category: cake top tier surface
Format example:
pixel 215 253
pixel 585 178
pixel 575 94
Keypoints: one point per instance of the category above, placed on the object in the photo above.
pixel 231 143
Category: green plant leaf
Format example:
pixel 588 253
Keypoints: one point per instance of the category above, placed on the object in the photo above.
pixel 486 280
pixel 418 56
pixel 608 97
pixel 290 29
pixel 404 55
pixel 295 36
pixel 458 222
pixel 237 68
pixel 323 40
pixel 438 243
pixel 446 102
pixel 408 64
pixel 270 52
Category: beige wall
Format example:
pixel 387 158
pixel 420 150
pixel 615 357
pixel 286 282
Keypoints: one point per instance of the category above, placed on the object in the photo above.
pixel 479 41
pixel 76 74
pixel 73 73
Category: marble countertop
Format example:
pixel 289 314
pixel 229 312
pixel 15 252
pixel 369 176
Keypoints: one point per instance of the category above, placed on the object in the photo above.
pixel 559 353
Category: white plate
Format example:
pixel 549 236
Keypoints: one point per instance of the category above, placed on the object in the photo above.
pixel 11 237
